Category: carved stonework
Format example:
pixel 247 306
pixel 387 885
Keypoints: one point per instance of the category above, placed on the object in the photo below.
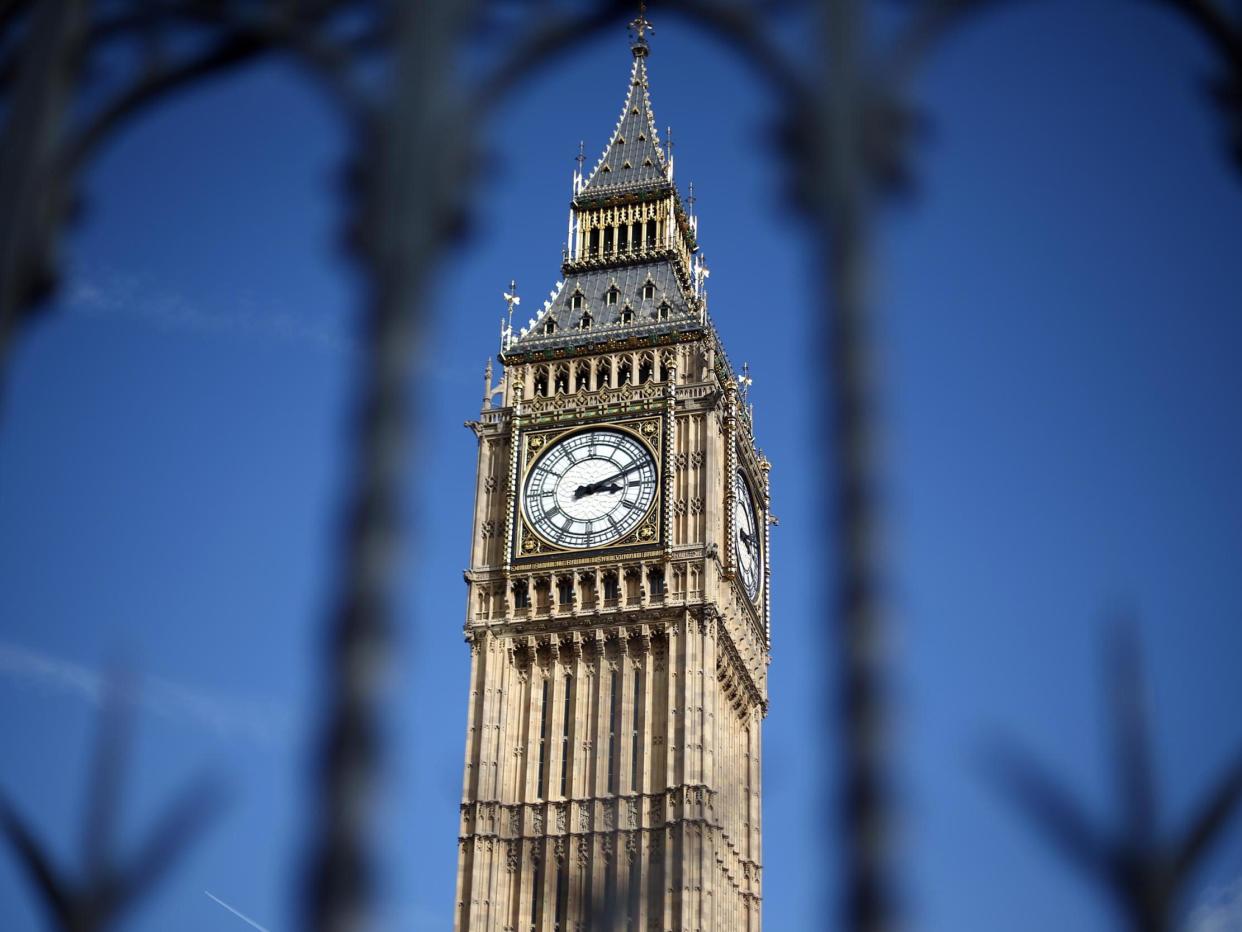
pixel 550 782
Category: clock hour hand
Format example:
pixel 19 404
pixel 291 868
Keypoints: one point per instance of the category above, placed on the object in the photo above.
pixel 747 540
pixel 609 484
pixel 584 490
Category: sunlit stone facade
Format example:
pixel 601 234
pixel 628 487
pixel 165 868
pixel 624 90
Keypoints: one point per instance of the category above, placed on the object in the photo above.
pixel 618 607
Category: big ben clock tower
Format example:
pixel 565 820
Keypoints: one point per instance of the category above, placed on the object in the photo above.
pixel 618 608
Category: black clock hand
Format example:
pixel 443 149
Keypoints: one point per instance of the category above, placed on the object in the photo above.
pixel 609 483
pixel 747 540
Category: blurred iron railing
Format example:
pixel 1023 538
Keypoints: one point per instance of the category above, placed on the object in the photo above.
pixel 845 139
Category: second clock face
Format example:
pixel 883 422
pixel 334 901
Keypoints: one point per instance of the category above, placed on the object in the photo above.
pixel 590 489
pixel 746 535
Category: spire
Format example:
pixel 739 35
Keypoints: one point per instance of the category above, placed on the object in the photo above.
pixel 636 277
pixel 633 159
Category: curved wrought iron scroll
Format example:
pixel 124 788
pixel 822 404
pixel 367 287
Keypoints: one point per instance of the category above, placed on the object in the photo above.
pixel 846 133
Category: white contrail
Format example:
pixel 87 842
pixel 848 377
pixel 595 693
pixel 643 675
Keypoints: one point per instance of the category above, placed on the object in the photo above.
pixel 108 293
pixel 263 723
pixel 242 916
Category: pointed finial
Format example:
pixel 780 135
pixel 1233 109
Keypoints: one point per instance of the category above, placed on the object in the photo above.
pixel 512 299
pixel 744 381
pixel 691 199
pixel 581 157
pixel 639 29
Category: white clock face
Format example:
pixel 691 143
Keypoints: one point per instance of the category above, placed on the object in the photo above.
pixel 745 535
pixel 590 489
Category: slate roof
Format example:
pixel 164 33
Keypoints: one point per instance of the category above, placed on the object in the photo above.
pixel 634 143
pixel 606 319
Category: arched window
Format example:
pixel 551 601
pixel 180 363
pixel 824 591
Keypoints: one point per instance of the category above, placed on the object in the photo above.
pixel 582 377
pixel 543 595
pixel 521 595
pixel 586 590
pixel 627 314
pixel 585 322
pixel 655 581
pixel 623 372
pixel 612 589
pixel 560 384
pixel 541 381
pixel 664 310
pixel 593 248
pixel 613 295
pixel 565 591
pixel 603 374
pixel 633 580
pixel 577 300
pixel 550 326
pixel 651 234
pixel 646 369
pixel 649 290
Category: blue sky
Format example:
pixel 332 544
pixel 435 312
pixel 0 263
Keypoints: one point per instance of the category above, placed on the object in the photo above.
pixel 1059 329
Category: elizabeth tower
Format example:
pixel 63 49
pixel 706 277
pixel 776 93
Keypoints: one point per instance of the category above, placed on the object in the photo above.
pixel 618 608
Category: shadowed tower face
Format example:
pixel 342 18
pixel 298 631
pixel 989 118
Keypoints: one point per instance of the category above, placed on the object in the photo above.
pixel 618 609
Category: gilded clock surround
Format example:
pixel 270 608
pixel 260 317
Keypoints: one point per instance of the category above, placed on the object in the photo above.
pixel 529 544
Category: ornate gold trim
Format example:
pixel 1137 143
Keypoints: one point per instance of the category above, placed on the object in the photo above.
pixel 648 431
